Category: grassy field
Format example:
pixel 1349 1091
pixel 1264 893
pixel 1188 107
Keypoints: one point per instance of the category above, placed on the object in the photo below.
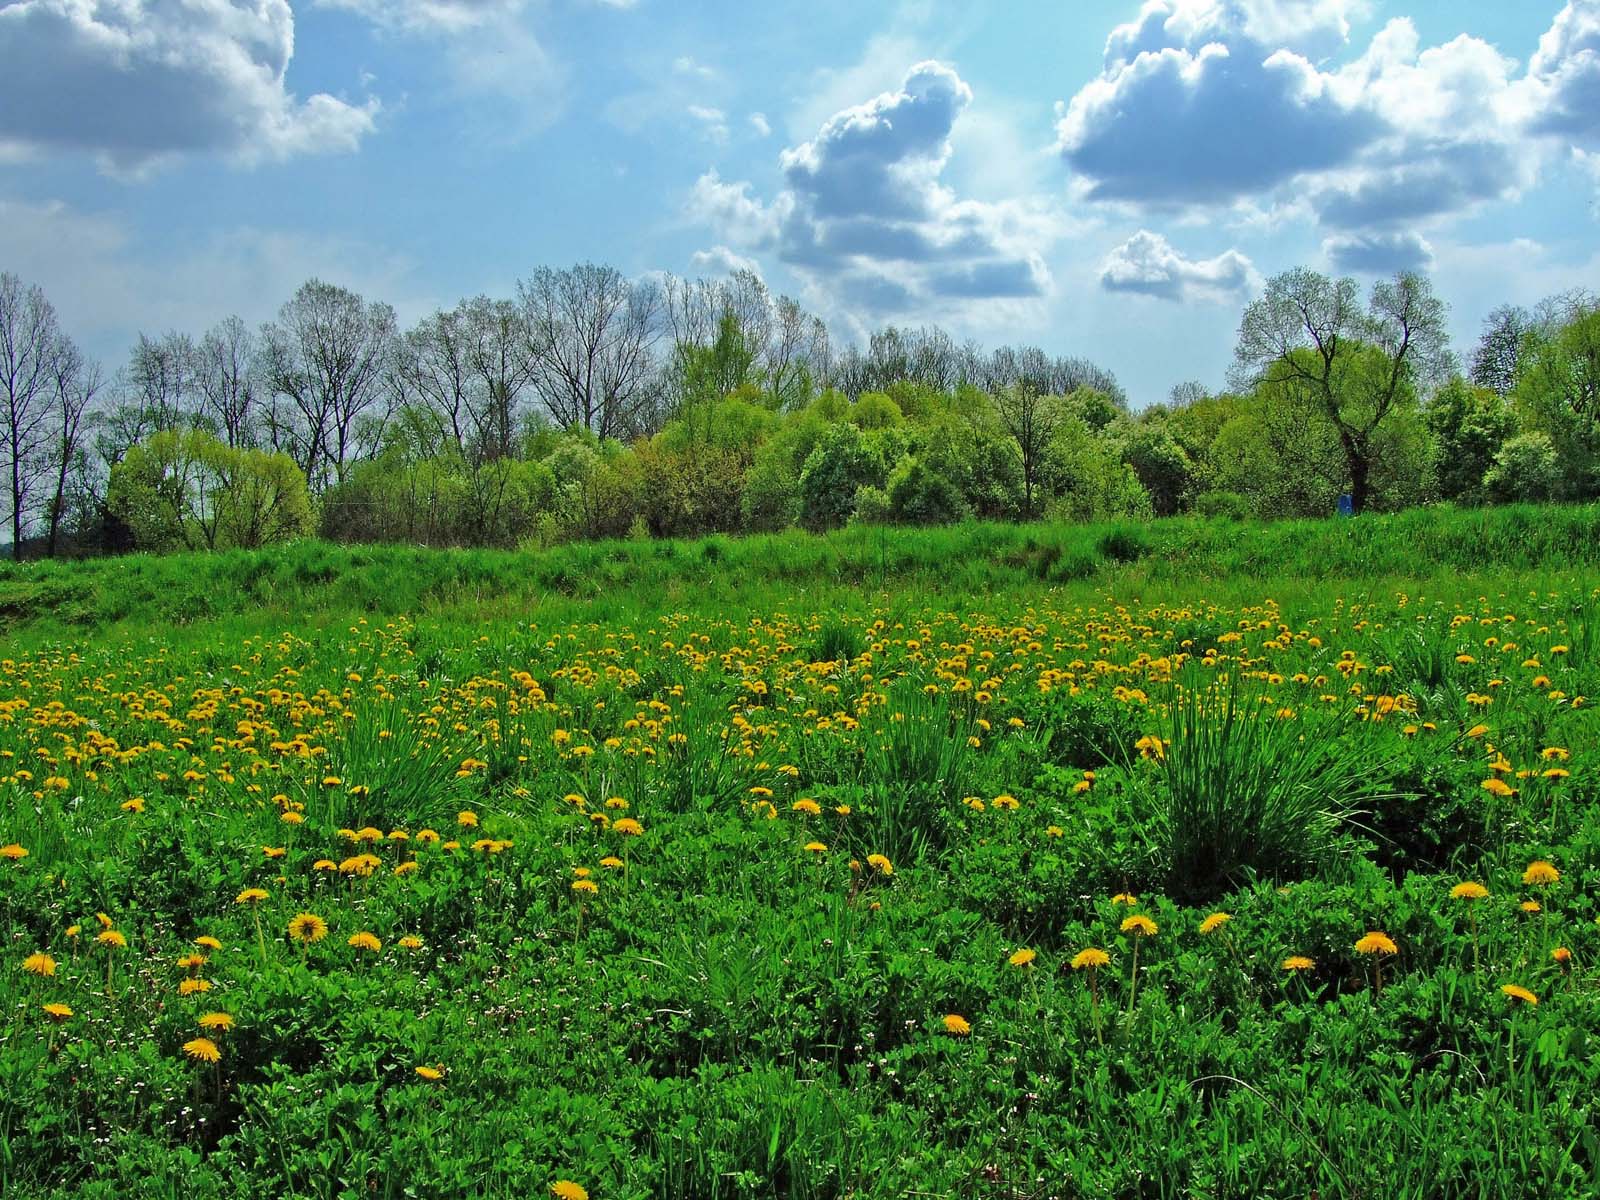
pixel 1196 859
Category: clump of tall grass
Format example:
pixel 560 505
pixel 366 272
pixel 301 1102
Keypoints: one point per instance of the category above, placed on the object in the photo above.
pixel 1243 788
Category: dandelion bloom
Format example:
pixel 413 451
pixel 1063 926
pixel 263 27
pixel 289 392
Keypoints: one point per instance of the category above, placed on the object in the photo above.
pixel 189 987
pixel 816 847
pixel 1140 925
pixel 136 805
pixel 427 835
pixel 1540 873
pixel 411 942
pixel 221 1022
pixel 466 818
pixel 105 921
pixel 308 927
pixel 588 886
pixel 40 964
pixel 1091 958
pixel 1561 955
pixel 880 864
pixel 1519 993
pixel 565 1189
pixel 956 1024
pixel 202 1050
pixel 616 802
pixel 292 818
pixel 324 864
pixel 406 868
pixel 611 862
pixel 1468 891
pixel 1376 943
pixel 13 852
pixel 1215 922
pixel 209 942
pixel 251 896
pixel 1022 958
pixel 57 1012
pixel 1298 962
pixel 1127 898
pixel 364 941
pixel 431 1074
pixel 810 807
pixel 111 937
pixel 628 827
pixel 1529 906
pixel 1498 787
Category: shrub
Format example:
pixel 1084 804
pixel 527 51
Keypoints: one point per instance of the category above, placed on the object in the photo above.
pixel 1241 792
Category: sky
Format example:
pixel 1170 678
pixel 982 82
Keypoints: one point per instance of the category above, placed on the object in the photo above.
pixel 1104 178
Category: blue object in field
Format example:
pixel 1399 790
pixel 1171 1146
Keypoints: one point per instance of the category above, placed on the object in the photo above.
pixel 1347 507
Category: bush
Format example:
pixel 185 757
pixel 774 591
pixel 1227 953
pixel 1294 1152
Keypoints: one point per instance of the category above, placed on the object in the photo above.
pixel 1243 793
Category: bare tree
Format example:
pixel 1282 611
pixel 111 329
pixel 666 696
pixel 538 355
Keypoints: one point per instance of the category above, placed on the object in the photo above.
pixel 591 333
pixel 1309 333
pixel 431 365
pixel 501 371
pixel 160 380
pixel 1032 420
pixel 224 380
pixel 74 384
pixel 30 344
pixel 797 354
pixel 324 362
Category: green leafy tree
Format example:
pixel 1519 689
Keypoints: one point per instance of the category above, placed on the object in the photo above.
pixel 1558 394
pixel 840 463
pixel 1309 336
pixel 187 490
pixel 1525 468
pixel 1469 424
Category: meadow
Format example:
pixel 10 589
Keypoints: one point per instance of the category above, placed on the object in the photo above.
pixel 1190 858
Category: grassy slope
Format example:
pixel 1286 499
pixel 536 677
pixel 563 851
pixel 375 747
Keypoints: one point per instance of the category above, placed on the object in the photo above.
pixel 962 563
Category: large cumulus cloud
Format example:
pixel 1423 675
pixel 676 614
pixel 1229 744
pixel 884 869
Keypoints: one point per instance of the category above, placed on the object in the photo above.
pixel 864 215
pixel 135 81
pixel 1215 102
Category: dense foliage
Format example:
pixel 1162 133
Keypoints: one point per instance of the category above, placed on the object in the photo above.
pixel 592 406
pixel 1012 890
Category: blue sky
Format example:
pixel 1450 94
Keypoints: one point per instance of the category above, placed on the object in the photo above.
pixel 1105 179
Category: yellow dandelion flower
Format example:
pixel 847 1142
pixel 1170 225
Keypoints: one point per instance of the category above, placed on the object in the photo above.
pixel 13 851
pixel 957 1025
pixel 364 941
pixel 1469 891
pixel 431 1074
pixel 1214 922
pixel 810 807
pixel 1022 958
pixel 307 928
pixel 1519 993
pixel 111 937
pixel 40 964
pixel 1091 958
pixel 57 1012
pixel 880 864
pixel 1298 962
pixel 252 895
pixel 189 987
pixel 466 818
pixel 1540 873
pixel 816 847
pixel 411 942
pixel 219 1022
pixel 1140 926
pixel 202 1050
pixel 585 886
pixel 628 827
pixel 611 862
pixel 1376 943
pixel 565 1189
pixel 209 942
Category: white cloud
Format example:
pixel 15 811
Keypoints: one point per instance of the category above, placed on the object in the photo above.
pixel 713 121
pixel 1148 264
pixel 1215 102
pixel 135 82
pixel 758 122
pixel 1378 253
pixel 866 218
pixel 720 260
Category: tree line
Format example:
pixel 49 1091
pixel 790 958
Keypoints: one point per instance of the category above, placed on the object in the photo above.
pixel 594 405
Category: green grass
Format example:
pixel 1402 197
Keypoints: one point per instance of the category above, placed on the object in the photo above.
pixel 315 580
pixel 735 1013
